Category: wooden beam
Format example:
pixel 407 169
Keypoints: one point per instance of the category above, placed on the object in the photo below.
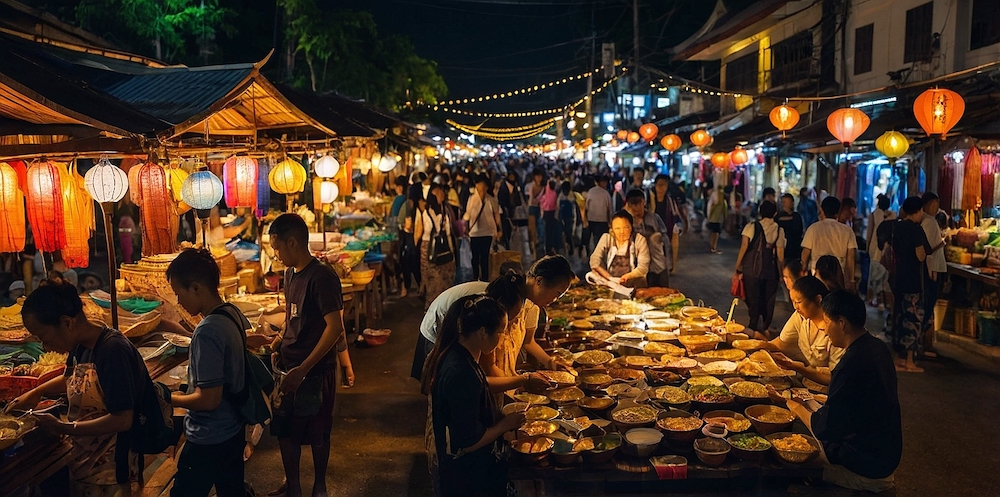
pixel 90 146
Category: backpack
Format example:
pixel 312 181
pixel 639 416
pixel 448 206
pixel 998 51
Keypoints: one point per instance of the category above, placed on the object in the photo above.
pixel 252 403
pixel 440 252
pixel 153 426
pixel 762 256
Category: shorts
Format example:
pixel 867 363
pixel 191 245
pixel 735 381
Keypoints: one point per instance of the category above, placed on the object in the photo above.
pixel 534 210
pixel 715 227
pixel 306 416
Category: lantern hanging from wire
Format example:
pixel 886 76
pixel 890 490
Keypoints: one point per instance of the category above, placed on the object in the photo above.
pixel 648 131
pixel 893 145
pixel 938 110
pixel 388 163
pixel 288 178
pixel 326 167
pixel 202 190
pixel 784 117
pixel 847 124
pixel 700 138
pixel 45 206
pixel 720 160
pixel 148 184
pixel 107 184
pixel 622 134
pixel 239 174
pixel 671 143
pixel 430 152
pixel 263 188
pixel 78 212
pixel 633 137
pixel 739 156
pixel 175 180
pixel 12 227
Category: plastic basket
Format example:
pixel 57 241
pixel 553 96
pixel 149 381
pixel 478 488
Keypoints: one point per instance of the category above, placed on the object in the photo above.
pixel 989 328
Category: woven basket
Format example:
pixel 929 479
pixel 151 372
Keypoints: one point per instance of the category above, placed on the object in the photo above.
pixel 146 324
pixel 227 265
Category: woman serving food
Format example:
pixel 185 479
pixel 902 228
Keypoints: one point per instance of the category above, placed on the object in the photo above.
pixel 620 256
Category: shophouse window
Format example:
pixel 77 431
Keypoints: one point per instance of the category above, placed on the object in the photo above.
pixel 791 59
pixel 985 23
pixel 863 37
pixel 741 74
pixel 919 29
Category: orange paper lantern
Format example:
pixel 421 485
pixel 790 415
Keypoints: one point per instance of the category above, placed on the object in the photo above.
pixel 633 137
pixel 148 186
pixel 12 228
pixel 700 138
pixel 847 124
pixel 720 160
pixel 622 134
pixel 938 110
pixel 784 117
pixel 78 211
pixel 739 156
pixel 648 131
pixel 671 143
pixel 45 206
pixel 239 177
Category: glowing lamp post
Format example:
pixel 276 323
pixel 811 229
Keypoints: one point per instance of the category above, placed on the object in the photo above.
pixel 107 184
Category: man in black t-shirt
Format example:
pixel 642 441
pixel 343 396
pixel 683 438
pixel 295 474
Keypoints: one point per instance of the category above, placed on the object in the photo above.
pixel 909 245
pixel 791 223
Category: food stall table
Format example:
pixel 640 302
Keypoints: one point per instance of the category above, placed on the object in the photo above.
pixel 362 303
pixel 41 456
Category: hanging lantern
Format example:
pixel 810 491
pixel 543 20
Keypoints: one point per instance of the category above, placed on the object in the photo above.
pixel 738 156
pixel 12 229
pixel 671 143
pixel 648 131
pixel 892 144
pixel 938 110
pixel 239 175
pixel 326 166
pixel 22 174
pixel 720 160
pixel 430 152
pixel 622 134
pixel 176 177
pixel 287 177
pixel 78 212
pixel 106 182
pixel 784 117
pixel 329 192
pixel 202 190
pixel 45 206
pixel 148 184
pixel 388 163
pixel 700 138
pixel 263 188
pixel 633 137
pixel 847 124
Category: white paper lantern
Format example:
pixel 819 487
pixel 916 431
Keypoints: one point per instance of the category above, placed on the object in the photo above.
pixel 388 163
pixel 106 182
pixel 328 192
pixel 326 166
pixel 202 190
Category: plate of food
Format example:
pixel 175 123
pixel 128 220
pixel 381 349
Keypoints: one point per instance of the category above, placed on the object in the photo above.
pixel 581 324
pixel 670 395
pixel 656 315
pixel 700 381
pixel 629 336
pixel 661 348
pixel 593 357
pixel 695 312
pixel 663 324
pixel 559 377
pixel 565 395
pixel 719 367
pixel 660 336
pixel 749 390
pixel 749 345
pixel 531 398
pixel 732 355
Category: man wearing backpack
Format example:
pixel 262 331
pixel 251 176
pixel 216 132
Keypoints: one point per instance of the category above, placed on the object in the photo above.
pixel 761 255
pixel 213 453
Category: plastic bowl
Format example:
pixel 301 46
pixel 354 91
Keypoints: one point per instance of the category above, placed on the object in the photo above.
pixel 686 436
pixel 362 277
pixel 375 338
pixel 754 413
pixel 563 454
pixel 712 451
pixel 613 442
pixel 745 454
pixel 727 414
pixel 794 456
pixel 670 467
pixel 642 442
pixel 534 457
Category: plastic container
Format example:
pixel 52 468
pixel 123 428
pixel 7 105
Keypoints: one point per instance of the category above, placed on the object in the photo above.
pixel 989 328
pixel 670 467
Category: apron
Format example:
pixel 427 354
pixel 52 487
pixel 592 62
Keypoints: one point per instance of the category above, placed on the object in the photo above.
pixel 621 264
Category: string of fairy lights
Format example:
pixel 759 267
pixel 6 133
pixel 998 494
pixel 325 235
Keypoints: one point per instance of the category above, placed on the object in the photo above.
pixel 503 130
pixel 523 91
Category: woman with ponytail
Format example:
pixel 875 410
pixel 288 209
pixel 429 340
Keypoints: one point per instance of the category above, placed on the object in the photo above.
pixel 465 427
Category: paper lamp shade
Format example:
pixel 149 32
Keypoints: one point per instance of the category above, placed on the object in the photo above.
pixel 938 110
pixel 328 192
pixel 388 163
pixel 738 156
pixel 12 228
pixel 22 174
pixel 148 184
pixel 239 175
pixel 720 160
pixel 202 190
pixel 106 182
pixel 176 177
pixel 671 143
pixel 892 144
pixel 784 117
pixel 287 177
pixel 648 131
pixel 430 152
pixel 700 138
pixel 326 167
pixel 847 124
pixel 633 137
pixel 263 188
pixel 78 211
pixel 45 206
pixel 622 134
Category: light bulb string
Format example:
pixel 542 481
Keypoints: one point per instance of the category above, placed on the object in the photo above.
pixel 522 91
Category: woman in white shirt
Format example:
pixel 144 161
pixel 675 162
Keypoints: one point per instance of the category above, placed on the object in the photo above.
pixel 803 346
pixel 621 256
pixel 482 212
pixel 431 220
pixel 761 255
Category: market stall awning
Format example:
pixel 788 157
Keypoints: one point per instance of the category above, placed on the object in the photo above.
pixel 724 25
pixel 319 108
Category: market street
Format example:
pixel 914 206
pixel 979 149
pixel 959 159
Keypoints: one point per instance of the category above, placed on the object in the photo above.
pixel 379 426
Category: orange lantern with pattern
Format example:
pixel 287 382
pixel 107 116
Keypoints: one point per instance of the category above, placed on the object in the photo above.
pixel 45 206
pixel 671 143
pixel 784 117
pixel 78 211
pixel 938 110
pixel 720 160
pixel 648 131
pixel 12 228
pixel 847 124
pixel 700 138
pixel 148 187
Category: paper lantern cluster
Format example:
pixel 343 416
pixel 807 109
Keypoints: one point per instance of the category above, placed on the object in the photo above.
pixel 239 178
pixel 12 227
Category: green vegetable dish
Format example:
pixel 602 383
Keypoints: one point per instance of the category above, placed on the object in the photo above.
pixel 559 323
pixel 750 442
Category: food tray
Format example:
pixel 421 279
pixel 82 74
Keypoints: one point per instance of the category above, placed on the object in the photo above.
pixel 14 386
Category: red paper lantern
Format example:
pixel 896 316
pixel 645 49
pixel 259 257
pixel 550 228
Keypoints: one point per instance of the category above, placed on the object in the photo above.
pixel 622 134
pixel 12 228
pixel 739 156
pixel 671 143
pixel 847 124
pixel 700 138
pixel 784 117
pixel 45 206
pixel 633 137
pixel 648 131
pixel 938 110
pixel 720 160
pixel 239 177
pixel 148 184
